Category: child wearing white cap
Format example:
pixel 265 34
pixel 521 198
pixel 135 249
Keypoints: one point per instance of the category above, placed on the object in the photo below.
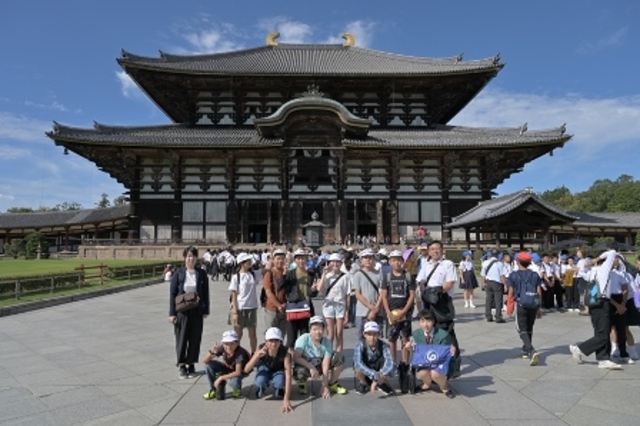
pixel 273 368
pixel 314 357
pixel 229 369
pixel 372 362
pixel 244 299
pixel 335 285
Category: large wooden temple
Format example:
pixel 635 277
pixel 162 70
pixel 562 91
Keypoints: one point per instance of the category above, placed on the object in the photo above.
pixel 262 138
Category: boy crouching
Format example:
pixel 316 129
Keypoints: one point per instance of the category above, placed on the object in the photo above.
pixel 373 362
pixel 229 369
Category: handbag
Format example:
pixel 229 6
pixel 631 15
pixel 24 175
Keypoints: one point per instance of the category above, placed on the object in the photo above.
pixel 297 310
pixel 187 301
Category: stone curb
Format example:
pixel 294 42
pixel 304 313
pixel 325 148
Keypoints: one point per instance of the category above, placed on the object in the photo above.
pixel 47 303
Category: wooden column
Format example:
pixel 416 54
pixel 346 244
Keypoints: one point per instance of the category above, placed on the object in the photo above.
pixel 355 219
pixel 392 207
pixel 268 221
pixel 282 206
pixel 176 223
pixel 133 232
pixel 379 216
pixel 467 237
pixel 244 234
pixel 337 220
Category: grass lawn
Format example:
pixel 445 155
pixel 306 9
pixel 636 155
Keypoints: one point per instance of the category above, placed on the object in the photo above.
pixel 22 267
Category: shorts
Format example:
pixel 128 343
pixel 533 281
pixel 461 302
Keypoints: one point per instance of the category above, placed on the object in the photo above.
pixel 399 329
pixel 248 318
pixel 333 310
pixel 633 314
pixel 302 373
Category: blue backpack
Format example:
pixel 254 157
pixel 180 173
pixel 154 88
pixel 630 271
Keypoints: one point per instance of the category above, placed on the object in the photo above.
pixel 527 288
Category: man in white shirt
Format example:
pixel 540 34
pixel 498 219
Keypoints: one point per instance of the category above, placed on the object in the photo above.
pixel 491 275
pixel 600 318
pixel 437 277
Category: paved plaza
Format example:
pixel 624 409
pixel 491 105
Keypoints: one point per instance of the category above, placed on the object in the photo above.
pixel 110 360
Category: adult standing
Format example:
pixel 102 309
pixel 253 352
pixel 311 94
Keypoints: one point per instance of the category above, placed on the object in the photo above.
pixel 438 276
pixel 188 324
pixel 491 274
pixel 600 318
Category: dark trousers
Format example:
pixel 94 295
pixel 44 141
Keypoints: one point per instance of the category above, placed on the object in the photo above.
pixel 449 328
pixel 573 295
pixel 494 299
pixel 188 332
pixel 547 297
pixel 619 323
pixel 296 329
pixel 601 323
pixel 525 319
pixel 558 292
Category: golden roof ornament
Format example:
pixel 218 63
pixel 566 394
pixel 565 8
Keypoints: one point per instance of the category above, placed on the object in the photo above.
pixel 349 40
pixel 271 38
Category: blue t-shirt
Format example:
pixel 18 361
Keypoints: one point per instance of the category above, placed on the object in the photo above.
pixel 306 347
pixel 522 278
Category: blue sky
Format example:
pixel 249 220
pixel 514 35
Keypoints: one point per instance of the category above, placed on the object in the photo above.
pixel 573 61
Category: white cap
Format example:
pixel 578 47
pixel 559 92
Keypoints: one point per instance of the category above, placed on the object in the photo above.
pixel 316 320
pixel 229 336
pixel 383 252
pixel 299 252
pixel 365 252
pixel 371 327
pixel 273 333
pixel 396 253
pixel 243 257
pixel 335 257
pixel 279 252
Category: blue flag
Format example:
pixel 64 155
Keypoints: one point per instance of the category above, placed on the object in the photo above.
pixel 433 357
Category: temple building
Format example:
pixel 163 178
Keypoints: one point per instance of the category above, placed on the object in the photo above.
pixel 264 137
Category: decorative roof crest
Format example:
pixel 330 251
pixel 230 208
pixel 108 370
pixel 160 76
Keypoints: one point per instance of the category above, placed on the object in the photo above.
pixel 313 91
pixel 271 38
pixel 349 40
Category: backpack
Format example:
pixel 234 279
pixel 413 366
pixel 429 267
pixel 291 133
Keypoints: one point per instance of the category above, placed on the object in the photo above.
pixel 528 296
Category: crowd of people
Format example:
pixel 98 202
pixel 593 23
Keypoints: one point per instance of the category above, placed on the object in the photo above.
pixel 380 294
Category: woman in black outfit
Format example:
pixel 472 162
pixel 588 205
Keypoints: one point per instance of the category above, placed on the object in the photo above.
pixel 188 324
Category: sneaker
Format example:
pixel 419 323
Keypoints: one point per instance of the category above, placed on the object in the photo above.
pixel 302 388
pixel 449 393
pixel 633 354
pixel 576 353
pixel 385 389
pixel 524 355
pixel 466 305
pixel 191 371
pixel 610 365
pixel 362 389
pixel 627 360
pixel 535 357
pixel 236 393
pixel 500 321
pixel 183 374
pixel 336 388
pixel 471 305
pixel 209 395
pixel 260 393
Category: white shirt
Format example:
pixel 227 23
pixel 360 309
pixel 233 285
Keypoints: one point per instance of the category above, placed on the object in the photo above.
pixel 207 257
pixel 507 269
pixel 246 290
pixel 466 265
pixel 494 273
pixel 339 290
pixel 583 269
pixel 190 281
pixel 445 273
pixel 602 274
pixel 535 268
pixel 617 279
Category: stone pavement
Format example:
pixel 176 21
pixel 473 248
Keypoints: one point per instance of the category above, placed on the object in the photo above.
pixel 110 360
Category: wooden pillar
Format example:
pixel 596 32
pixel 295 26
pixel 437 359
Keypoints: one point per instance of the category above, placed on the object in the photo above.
pixel 268 221
pixel 66 238
pixel 477 239
pixel 467 237
pixel 281 221
pixel 337 220
pixel 393 218
pixel 244 234
pixel 176 225
pixel 379 224
pixel 355 219
pixel 445 216
pixel 133 232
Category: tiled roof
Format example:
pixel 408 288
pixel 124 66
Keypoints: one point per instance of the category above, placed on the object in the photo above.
pixel 608 220
pixel 208 136
pixel 308 59
pixel 491 209
pixel 458 137
pixel 176 135
pixel 62 218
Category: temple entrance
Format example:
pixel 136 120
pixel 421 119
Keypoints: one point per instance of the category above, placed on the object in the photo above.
pixel 257 233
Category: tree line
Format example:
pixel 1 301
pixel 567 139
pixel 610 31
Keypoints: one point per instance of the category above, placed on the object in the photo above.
pixel 66 206
pixel 604 195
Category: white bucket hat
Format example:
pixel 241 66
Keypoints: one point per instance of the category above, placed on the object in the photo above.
pixel 243 257
pixel 229 336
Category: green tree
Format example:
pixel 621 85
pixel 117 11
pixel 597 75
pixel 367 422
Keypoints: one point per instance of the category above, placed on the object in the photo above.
pixel 120 201
pixel 34 241
pixel 104 201
pixel 16 248
pixel 19 210
pixel 561 197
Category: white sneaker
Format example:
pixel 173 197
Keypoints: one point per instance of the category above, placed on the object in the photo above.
pixel 629 361
pixel 610 365
pixel 576 353
pixel 633 354
pixel 471 305
pixel 466 304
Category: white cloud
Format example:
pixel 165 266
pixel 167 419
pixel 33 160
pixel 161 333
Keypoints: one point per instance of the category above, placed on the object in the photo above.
pixel 6 197
pixel 10 153
pixel 129 88
pixel 21 128
pixel 205 36
pixel 291 31
pixel 613 39
pixel 594 122
pixel 362 31
pixel 54 105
